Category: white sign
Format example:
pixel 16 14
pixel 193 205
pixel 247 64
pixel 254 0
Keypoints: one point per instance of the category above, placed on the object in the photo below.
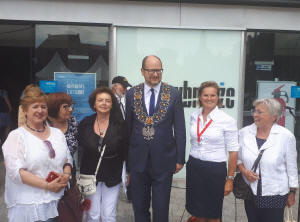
pixel 281 91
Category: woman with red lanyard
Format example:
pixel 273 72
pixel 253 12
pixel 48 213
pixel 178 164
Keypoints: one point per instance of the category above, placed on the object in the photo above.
pixel 213 135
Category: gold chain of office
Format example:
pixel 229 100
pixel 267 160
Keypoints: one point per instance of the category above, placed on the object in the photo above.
pixel 148 121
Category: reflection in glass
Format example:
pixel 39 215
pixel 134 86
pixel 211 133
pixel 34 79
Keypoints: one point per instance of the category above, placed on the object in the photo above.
pixel 65 48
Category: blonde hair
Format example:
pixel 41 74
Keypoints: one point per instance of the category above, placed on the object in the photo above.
pixel 32 94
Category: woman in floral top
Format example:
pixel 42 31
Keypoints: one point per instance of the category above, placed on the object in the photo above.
pixel 60 110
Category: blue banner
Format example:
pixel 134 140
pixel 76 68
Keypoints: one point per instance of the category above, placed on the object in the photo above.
pixel 48 86
pixel 79 86
pixel 295 91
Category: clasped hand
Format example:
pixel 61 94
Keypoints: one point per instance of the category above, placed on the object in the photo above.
pixel 251 176
pixel 59 183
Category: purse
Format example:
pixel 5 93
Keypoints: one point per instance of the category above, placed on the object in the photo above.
pixel 87 183
pixel 241 189
pixel 69 206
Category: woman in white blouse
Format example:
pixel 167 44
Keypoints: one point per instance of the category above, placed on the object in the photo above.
pixel 275 181
pixel 213 135
pixel 31 152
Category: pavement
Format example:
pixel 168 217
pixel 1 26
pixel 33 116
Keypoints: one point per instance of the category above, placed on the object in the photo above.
pixel 233 210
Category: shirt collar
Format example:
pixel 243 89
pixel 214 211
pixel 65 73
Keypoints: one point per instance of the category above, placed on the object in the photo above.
pixel 212 115
pixel 156 88
pixel 275 129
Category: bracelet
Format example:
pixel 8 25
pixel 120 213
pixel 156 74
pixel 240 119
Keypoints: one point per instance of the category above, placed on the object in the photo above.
pixel 67 164
pixel 293 191
pixel 230 178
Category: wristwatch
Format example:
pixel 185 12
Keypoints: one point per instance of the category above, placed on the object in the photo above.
pixel 230 177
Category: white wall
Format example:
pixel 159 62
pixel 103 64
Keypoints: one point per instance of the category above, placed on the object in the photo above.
pixel 152 14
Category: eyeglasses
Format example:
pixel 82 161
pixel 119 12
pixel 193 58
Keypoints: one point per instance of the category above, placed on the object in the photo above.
pixel 68 106
pixel 152 71
pixel 258 112
pixel 50 147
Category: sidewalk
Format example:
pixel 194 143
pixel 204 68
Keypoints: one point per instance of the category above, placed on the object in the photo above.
pixel 177 209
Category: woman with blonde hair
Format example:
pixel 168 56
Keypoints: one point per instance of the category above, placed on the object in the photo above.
pixel 29 88
pixel 214 134
pixel 38 164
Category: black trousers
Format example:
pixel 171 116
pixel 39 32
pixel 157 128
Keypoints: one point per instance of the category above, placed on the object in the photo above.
pixel 142 185
pixel 255 214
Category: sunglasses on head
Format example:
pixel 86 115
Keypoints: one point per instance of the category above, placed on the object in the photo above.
pixel 50 147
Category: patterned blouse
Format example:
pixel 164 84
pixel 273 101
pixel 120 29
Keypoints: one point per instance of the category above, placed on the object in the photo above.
pixel 71 135
pixel 275 201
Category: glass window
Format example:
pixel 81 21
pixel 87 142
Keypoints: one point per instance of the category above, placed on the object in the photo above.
pixel 66 48
pixel 272 71
pixel 31 52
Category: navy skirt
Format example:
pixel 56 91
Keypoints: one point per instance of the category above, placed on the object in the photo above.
pixel 205 183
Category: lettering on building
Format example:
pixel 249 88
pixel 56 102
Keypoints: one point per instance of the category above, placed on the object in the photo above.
pixel 190 96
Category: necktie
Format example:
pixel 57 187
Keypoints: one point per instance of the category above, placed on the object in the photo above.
pixel 122 109
pixel 152 101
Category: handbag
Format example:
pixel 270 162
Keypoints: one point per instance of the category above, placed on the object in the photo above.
pixel 87 183
pixel 69 206
pixel 241 189
pixel 288 216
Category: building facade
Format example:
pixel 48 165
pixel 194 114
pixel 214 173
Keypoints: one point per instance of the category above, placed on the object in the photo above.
pixel 251 48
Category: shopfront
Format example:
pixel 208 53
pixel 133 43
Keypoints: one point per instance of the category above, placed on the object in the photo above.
pixel 251 51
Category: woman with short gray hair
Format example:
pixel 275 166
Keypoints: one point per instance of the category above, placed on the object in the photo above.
pixel 273 106
pixel 275 181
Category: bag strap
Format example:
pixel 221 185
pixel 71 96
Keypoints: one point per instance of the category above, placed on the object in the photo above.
pixel 256 162
pixel 100 159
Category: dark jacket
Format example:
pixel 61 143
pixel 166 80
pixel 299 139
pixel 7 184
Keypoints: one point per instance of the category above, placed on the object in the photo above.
pixel 168 145
pixel 116 140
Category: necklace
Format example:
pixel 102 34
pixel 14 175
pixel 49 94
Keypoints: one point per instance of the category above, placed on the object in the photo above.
pixel 101 131
pixel 36 130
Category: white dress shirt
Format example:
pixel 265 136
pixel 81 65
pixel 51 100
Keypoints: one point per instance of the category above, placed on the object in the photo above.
pixel 147 94
pixel 278 164
pixel 23 150
pixel 121 101
pixel 221 136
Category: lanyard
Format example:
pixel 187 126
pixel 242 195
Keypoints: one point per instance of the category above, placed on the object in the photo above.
pixel 206 126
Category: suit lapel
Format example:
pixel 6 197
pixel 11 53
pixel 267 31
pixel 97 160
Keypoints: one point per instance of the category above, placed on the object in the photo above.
pixel 271 138
pixel 143 99
pixel 158 99
pixel 252 140
pixel 253 144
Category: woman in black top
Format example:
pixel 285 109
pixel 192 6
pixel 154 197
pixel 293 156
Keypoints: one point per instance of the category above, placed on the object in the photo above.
pixel 108 126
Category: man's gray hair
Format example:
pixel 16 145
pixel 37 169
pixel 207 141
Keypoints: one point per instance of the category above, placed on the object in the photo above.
pixel 274 107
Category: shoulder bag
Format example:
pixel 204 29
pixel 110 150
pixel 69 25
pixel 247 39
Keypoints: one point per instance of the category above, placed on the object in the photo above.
pixel 69 206
pixel 241 189
pixel 87 183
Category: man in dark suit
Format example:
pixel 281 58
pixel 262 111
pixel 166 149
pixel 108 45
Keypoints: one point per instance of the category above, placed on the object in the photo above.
pixel 155 117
